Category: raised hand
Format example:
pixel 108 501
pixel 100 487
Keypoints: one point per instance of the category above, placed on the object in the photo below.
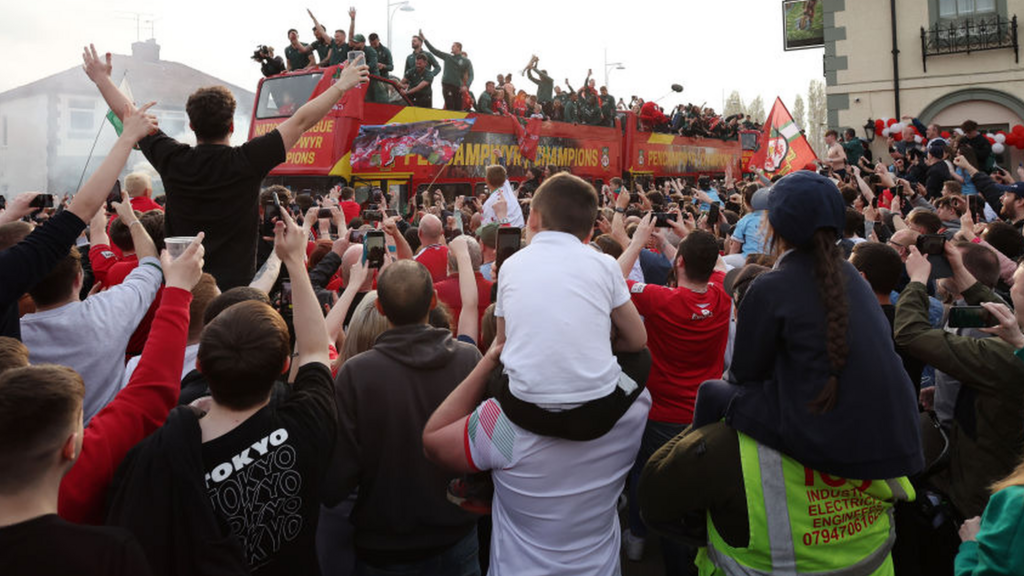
pixel 124 210
pixel 501 207
pixel 644 230
pixel 185 270
pixel 358 273
pixel 1008 329
pixel 352 76
pixel 138 123
pixel 95 68
pixel 918 266
pixel 289 240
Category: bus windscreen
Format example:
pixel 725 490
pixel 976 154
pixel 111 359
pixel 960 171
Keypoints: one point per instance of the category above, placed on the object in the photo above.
pixel 281 97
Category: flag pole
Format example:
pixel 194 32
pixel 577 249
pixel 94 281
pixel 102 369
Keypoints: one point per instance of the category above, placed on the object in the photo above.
pixel 93 148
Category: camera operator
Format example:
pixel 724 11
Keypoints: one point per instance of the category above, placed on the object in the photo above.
pixel 270 65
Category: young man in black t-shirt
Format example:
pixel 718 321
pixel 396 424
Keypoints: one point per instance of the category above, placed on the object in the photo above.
pixel 40 438
pixel 214 186
pixel 249 471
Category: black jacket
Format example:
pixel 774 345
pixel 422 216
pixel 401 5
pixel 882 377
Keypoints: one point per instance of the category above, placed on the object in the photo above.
pixel 780 359
pixel 936 176
pixel 180 534
pixel 384 398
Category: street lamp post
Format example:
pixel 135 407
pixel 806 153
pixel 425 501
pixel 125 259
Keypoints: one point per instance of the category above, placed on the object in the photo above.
pixel 609 66
pixel 404 7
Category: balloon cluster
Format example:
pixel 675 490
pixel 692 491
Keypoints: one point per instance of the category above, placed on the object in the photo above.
pixel 999 140
pixel 894 128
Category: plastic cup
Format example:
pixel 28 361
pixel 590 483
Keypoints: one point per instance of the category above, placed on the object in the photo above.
pixel 176 245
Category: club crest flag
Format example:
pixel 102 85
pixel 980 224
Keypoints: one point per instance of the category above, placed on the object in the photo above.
pixel 783 148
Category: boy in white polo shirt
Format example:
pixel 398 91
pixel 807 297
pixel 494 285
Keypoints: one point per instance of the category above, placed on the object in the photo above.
pixel 562 309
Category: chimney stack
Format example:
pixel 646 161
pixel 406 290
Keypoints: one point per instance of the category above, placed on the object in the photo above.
pixel 148 51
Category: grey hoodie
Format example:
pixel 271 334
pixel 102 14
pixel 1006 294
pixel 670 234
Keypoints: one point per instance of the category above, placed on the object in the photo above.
pixel 384 398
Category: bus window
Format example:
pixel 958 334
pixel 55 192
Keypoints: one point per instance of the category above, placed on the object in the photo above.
pixel 281 97
pixel 748 140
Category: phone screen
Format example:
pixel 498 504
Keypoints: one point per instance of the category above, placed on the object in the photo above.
pixel 272 209
pixel 323 213
pixel 373 249
pixel 971 317
pixel 114 195
pixel 286 295
pixel 932 244
pixel 42 201
pixel 661 219
pixel 713 214
pixel 509 240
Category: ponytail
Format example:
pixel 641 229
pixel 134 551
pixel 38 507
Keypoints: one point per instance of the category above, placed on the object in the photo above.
pixel 828 274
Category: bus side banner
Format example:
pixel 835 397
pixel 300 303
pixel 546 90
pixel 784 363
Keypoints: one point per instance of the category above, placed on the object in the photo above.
pixel 675 158
pixel 436 141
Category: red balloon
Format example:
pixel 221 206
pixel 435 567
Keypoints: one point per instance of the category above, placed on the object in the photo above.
pixel 879 126
pixel 990 139
pixel 945 134
pixel 1011 139
pixel 1018 130
pixel 890 122
pixel 897 136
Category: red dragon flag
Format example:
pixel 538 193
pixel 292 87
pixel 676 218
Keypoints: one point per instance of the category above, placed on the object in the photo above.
pixel 783 148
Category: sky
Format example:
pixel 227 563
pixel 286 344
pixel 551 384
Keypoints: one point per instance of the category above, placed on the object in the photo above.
pixel 709 47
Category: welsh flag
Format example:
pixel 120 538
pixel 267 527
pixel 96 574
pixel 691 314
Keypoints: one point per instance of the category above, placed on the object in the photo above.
pixel 783 148
pixel 111 116
pixel 528 138
pixel 351 104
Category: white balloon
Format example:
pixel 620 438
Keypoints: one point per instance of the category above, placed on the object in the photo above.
pixel 918 139
pixel 1000 138
pixel 998 148
pixel 886 132
pixel 958 131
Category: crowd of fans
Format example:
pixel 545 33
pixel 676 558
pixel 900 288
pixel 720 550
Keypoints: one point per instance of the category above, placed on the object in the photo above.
pixel 822 372
pixel 588 105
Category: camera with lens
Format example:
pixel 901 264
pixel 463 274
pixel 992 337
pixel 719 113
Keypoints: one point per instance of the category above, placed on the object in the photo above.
pixel 270 65
pixel 372 215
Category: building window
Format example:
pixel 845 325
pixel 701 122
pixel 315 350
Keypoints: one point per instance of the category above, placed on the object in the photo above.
pixel 172 122
pixel 81 118
pixel 949 9
pixel 945 11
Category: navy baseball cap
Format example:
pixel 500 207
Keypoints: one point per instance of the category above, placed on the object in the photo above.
pixel 1016 188
pixel 802 203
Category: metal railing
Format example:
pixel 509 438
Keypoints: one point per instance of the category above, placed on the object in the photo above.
pixel 969 35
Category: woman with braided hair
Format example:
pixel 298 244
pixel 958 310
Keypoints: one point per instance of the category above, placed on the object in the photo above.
pixel 814 373
pixel 820 426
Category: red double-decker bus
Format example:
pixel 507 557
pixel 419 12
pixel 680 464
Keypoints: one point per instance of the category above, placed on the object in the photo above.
pixel 321 158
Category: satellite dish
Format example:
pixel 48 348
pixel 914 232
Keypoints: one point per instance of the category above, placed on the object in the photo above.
pixel 677 88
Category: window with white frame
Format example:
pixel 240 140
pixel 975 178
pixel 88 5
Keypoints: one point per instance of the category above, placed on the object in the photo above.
pixel 81 118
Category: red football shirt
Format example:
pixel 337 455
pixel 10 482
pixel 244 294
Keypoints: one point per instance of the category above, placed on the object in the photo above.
pixel 449 293
pixel 351 209
pixel 145 204
pixel 687 333
pixel 435 258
